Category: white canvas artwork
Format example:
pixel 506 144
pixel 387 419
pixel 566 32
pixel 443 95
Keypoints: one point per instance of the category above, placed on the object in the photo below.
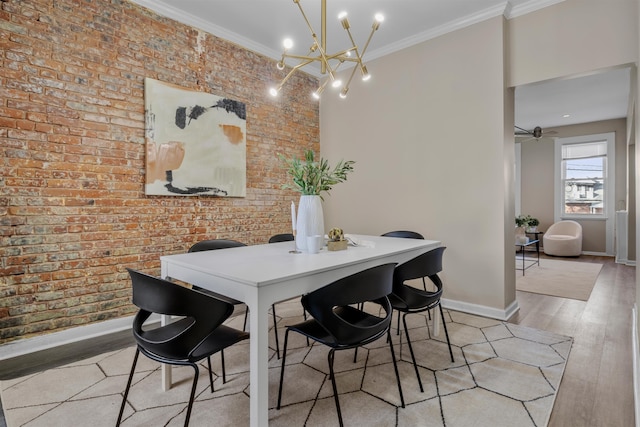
pixel 196 142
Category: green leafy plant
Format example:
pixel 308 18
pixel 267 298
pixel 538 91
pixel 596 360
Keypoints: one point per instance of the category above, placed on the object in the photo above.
pixel 311 177
pixel 526 221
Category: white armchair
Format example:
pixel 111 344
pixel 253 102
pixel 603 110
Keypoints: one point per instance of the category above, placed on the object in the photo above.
pixel 564 238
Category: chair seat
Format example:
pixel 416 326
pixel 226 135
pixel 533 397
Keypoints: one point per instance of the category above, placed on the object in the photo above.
pixel 560 237
pixel 312 329
pixel 414 302
pixel 221 338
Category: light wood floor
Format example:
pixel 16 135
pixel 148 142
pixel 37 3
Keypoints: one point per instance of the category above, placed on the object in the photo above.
pixel 597 387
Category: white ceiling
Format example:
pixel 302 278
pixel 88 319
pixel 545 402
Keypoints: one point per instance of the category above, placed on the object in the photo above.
pixel 261 25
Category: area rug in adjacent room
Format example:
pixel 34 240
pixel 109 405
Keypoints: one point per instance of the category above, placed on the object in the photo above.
pixel 559 278
pixel 504 375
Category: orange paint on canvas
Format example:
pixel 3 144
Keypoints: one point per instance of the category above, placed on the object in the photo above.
pixel 160 159
pixel 233 133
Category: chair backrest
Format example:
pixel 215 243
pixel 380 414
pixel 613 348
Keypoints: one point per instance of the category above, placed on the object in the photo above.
pixel 566 228
pixel 285 237
pixel 202 314
pixel 429 264
pixel 404 233
pixel 213 244
pixel 370 285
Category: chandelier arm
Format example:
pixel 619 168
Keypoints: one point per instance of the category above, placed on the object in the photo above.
pixel 321 46
pixel 353 72
pixel 306 59
pixel 313 33
pixel 293 70
pixel 355 47
pixel 366 45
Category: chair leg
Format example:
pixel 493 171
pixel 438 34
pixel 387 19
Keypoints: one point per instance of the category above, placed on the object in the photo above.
pixel 126 390
pixel 395 367
pixel 284 356
pixel 304 313
pixel 330 358
pixel 193 393
pixel 413 357
pixel 210 373
pixel 275 329
pixel 224 372
pixel 424 284
pixel 446 333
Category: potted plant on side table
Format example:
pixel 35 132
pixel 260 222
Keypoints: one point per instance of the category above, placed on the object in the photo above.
pixel 522 222
pixel 532 226
pixel 311 178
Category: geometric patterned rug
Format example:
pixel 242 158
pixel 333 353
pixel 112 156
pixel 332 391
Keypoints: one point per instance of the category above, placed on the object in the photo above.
pixel 503 375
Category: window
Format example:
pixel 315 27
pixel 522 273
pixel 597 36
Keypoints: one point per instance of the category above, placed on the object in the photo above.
pixel 585 171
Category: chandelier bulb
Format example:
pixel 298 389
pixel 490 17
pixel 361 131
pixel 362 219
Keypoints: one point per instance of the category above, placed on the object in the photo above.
pixel 336 83
pixel 343 93
pixel 273 91
pixel 365 73
pixel 342 17
pixel 377 21
pixel 287 43
pixel 280 65
pixel 316 94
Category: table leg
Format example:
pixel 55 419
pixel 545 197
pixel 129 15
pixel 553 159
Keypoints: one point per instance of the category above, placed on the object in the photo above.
pixel 436 322
pixel 259 363
pixel 165 369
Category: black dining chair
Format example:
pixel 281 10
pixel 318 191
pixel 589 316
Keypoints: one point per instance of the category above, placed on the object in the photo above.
pixel 338 322
pixel 197 335
pixel 408 299
pixel 211 245
pixel 284 237
pixel 277 238
pixel 406 234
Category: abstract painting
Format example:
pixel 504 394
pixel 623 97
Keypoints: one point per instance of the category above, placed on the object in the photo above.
pixel 196 142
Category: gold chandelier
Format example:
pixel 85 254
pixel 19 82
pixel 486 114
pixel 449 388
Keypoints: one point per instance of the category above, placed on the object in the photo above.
pixel 329 63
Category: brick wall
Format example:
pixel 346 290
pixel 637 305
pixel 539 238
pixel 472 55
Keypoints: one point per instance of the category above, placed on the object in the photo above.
pixel 73 213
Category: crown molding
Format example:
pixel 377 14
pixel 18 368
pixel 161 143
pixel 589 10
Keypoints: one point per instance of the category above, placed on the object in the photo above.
pixel 530 6
pixel 505 9
pixel 196 22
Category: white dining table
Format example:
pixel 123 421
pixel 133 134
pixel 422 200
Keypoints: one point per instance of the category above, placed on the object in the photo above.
pixel 261 275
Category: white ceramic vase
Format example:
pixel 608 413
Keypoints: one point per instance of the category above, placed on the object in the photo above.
pixel 310 221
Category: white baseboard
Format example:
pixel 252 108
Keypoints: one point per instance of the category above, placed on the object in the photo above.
pixel 482 310
pixel 597 253
pixel 31 345
pixel 636 363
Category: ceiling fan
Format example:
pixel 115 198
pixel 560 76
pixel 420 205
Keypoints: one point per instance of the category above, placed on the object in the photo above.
pixel 536 133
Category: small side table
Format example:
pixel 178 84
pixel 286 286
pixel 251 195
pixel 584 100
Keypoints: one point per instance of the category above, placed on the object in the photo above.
pixel 522 246
pixel 536 236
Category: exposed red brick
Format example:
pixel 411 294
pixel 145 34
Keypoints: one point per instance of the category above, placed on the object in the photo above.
pixel 74 213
